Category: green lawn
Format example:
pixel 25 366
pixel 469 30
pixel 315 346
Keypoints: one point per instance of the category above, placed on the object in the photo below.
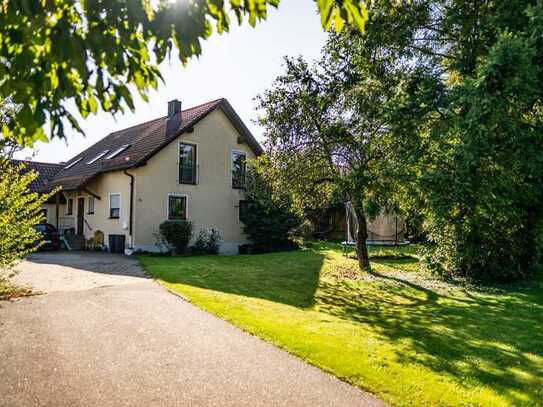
pixel 396 333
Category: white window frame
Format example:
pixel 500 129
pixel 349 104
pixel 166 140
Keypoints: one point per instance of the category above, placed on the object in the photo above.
pixel 168 205
pixel 100 155
pixel 89 198
pixel 120 205
pixel 68 207
pixel 232 167
pixel 192 143
pixel 70 165
pixel 116 152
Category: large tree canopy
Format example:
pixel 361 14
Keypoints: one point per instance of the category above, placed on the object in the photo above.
pixel 87 52
pixel 437 107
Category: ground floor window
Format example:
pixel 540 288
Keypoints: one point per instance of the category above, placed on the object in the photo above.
pixel 70 207
pixel 243 205
pixel 177 207
pixel 114 206
pixel 90 205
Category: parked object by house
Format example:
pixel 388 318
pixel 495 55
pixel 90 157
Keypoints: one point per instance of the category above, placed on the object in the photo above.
pixel 187 165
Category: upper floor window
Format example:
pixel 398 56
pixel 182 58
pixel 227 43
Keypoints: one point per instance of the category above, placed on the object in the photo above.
pixel 238 169
pixel 114 206
pixel 70 207
pixel 90 205
pixel 177 207
pixel 187 163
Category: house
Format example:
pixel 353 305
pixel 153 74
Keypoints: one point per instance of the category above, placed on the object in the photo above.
pixel 188 165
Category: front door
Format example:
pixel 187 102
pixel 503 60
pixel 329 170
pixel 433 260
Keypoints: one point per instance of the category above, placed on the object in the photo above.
pixel 80 215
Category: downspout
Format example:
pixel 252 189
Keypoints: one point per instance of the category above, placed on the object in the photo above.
pixel 131 211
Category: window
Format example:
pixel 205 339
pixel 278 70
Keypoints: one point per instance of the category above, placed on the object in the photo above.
pixel 243 207
pixel 103 153
pixel 238 170
pixel 187 163
pixel 44 214
pixel 90 205
pixel 73 163
pixel 114 206
pixel 70 207
pixel 177 207
pixel 117 152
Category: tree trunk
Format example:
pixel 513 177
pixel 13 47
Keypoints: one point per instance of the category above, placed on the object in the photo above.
pixel 361 237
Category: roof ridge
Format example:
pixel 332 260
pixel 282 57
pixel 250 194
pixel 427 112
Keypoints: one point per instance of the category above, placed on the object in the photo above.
pixel 164 117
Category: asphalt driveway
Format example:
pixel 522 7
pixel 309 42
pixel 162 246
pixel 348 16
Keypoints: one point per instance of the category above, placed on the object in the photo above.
pixel 105 334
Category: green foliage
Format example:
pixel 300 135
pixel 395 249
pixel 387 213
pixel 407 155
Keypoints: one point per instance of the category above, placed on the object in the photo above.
pixel 19 212
pixel 479 158
pixel 325 125
pixel 92 54
pixel 267 219
pixel 177 234
pixel 461 125
pixel 208 242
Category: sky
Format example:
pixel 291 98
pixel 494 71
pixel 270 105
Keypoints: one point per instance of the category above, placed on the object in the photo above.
pixel 237 65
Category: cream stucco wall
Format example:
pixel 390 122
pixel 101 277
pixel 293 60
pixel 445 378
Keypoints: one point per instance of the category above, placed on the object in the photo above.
pixel 212 202
pixel 103 186
pixel 51 213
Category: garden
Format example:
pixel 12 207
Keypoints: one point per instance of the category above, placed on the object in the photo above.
pixel 396 331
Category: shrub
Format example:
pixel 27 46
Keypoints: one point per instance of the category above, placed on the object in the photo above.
pixel 268 219
pixel 208 242
pixel 176 233
pixel 19 212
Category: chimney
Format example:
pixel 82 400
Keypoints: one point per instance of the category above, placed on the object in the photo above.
pixel 173 121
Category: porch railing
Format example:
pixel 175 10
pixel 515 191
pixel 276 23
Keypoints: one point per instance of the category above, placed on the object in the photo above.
pixel 66 224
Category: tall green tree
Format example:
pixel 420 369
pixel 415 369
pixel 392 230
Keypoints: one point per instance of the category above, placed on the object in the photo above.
pixel 87 53
pixel 474 104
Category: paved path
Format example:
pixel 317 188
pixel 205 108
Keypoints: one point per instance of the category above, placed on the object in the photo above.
pixel 105 335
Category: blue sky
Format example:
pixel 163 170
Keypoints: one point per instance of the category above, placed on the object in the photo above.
pixel 237 65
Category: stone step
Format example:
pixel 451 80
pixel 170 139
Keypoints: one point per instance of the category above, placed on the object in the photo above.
pixel 76 242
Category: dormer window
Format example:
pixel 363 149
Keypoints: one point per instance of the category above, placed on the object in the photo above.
pixel 73 163
pixel 103 153
pixel 117 152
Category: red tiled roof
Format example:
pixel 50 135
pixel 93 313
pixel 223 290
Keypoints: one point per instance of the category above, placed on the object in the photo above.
pixel 46 172
pixel 144 141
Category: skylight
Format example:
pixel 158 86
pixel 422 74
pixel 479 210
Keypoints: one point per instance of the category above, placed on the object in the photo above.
pixel 73 163
pixel 118 151
pixel 103 153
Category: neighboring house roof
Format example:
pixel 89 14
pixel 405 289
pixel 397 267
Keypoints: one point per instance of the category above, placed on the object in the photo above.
pixel 144 140
pixel 46 173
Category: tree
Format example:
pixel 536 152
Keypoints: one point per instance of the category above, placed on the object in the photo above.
pixel 474 104
pixel 321 136
pixel 86 54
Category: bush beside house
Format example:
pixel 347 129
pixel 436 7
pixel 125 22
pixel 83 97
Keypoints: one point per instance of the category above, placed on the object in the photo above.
pixel 268 220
